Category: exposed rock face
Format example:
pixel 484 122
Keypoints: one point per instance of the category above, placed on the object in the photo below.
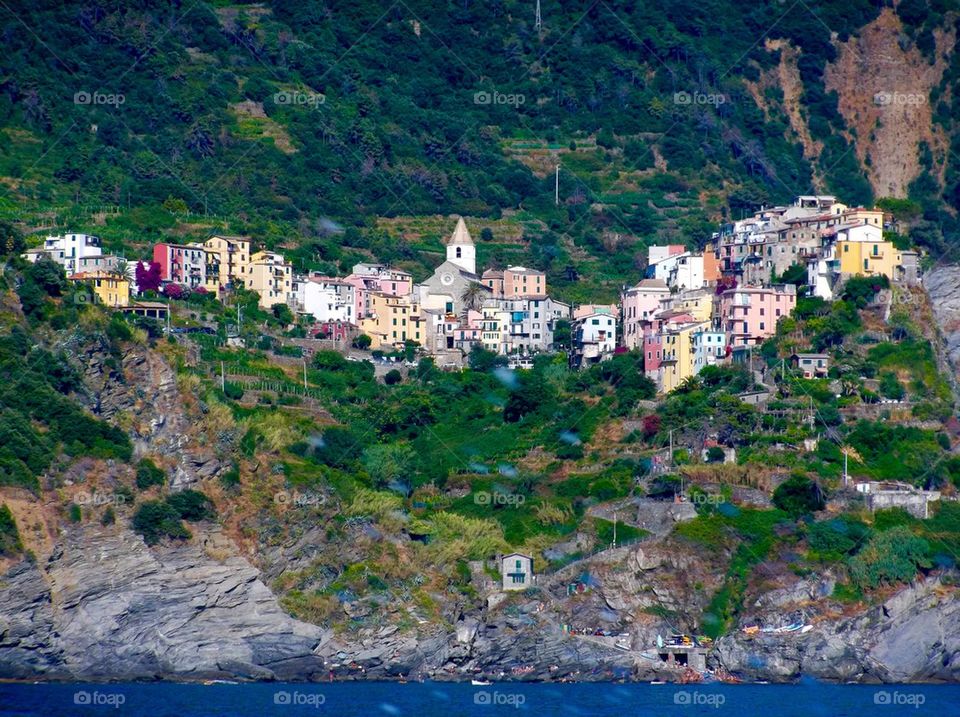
pixel 107 607
pixel 943 286
pixel 914 636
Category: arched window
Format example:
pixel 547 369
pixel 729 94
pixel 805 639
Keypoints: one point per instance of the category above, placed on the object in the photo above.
pixel 459 252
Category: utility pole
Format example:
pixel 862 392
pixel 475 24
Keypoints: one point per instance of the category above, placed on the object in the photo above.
pixel 846 476
pixel 556 190
pixel 538 23
pixel 614 521
pixel 304 375
pixel 223 378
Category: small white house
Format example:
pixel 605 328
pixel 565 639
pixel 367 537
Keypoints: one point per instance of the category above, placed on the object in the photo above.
pixel 517 571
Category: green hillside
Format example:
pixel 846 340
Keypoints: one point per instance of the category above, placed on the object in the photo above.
pixel 303 123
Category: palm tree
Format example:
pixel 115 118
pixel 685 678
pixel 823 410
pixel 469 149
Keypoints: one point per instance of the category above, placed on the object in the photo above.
pixel 122 268
pixel 473 296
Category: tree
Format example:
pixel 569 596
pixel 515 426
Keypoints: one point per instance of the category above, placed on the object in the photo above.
pixel 148 474
pixel 10 543
pixel 148 277
pixel 715 454
pixel 890 386
pixel 561 334
pixel 282 313
pixel 473 296
pixel 11 240
pixel 176 291
pixel 798 496
pixel 393 377
pixel 362 342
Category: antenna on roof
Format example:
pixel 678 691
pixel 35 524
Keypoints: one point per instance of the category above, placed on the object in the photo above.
pixel 538 23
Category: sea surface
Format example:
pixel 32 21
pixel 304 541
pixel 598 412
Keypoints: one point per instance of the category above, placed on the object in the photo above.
pixel 381 699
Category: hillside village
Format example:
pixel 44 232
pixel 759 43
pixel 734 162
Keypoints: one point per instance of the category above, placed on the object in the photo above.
pixel 691 310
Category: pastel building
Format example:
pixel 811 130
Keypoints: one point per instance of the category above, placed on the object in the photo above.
pixel 326 299
pixel 709 348
pixel 109 289
pixel 271 277
pixel 394 320
pixel 677 364
pixel 228 261
pixel 750 314
pixel 182 264
pixel 515 281
pixel 639 304
pixel 594 338
pixel 67 250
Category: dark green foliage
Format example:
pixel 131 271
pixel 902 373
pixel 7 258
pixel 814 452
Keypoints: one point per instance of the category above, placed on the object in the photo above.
pixel 148 474
pixel 834 538
pixel 191 505
pixel 891 556
pixel 362 342
pixel 282 313
pixel 74 513
pixel 156 519
pixel 482 360
pixel 109 516
pixel 232 390
pixel 798 496
pixel 392 377
pixel 10 543
pixel 860 290
pixel 37 420
pixel 11 240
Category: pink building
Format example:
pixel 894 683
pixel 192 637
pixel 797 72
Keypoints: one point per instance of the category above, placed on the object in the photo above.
pixel 182 264
pixel 640 303
pixel 652 352
pixel 369 279
pixel 750 314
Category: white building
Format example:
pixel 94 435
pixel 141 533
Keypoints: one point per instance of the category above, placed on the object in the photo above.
pixel 640 303
pixel 594 338
pixel 686 272
pixel 517 571
pixel 67 250
pixel 325 298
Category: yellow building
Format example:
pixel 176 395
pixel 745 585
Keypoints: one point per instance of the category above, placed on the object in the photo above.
pixel 270 276
pixel 696 302
pixel 211 276
pixel 232 262
pixel 111 290
pixel 678 355
pixel 862 252
pixel 393 321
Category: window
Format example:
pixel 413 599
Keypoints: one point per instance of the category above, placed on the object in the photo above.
pixel 459 252
pixel 762 327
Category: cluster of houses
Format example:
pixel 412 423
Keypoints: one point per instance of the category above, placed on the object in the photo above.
pixel 696 309
pixel 507 311
pixel 693 309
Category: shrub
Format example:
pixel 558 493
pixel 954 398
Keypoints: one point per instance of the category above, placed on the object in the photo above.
pixel 74 513
pixel 798 496
pixel 890 557
pixel 393 377
pixel 362 342
pixel 9 535
pixel 148 474
pixel 156 519
pixel 109 516
pixel 191 505
pixel 233 391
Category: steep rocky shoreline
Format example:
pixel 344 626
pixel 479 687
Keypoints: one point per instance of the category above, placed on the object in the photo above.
pixel 105 607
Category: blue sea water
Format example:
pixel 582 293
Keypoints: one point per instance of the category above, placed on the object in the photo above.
pixel 379 699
